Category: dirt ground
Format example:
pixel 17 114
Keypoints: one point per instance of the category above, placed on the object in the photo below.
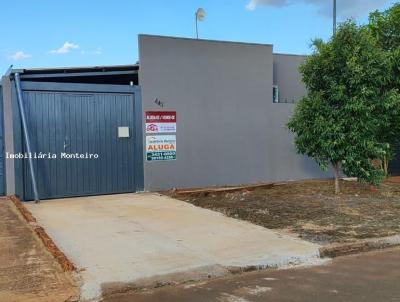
pixel 311 210
pixel 28 273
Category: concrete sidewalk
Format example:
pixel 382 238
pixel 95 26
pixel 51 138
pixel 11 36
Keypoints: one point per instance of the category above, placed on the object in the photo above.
pixel 133 240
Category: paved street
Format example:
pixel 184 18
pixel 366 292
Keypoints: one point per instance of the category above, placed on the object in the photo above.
pixel 367 277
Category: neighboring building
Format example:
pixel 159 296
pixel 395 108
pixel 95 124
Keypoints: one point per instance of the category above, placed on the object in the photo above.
pixel 192 113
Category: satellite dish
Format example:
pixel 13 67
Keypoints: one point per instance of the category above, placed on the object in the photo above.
pixel 200 14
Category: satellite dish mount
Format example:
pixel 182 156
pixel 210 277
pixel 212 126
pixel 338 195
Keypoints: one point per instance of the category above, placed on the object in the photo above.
pixel 199 15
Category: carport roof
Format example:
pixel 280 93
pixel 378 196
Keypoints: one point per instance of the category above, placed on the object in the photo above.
pixel 117 74
pixel 79 69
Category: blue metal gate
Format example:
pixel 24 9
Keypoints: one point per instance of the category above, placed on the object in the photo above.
pixel 78 148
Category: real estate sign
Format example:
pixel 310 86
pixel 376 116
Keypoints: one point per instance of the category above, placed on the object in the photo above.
pixel 160 122
pixel 160 147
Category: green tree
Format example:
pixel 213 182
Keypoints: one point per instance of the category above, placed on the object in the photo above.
pixel 336 123
pixel 385 28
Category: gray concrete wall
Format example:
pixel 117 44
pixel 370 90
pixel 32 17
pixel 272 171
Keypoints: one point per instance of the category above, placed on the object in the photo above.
pixel 288 78
pixel 228 129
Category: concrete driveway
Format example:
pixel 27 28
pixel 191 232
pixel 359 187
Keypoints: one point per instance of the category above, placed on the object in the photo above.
pixel 129 240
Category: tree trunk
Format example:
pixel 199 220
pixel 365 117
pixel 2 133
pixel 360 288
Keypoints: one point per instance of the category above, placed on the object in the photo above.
pixel 336 171
pixel 386 165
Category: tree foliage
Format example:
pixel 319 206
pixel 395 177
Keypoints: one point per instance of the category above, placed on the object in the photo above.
pixel 385 28
pixel 338 121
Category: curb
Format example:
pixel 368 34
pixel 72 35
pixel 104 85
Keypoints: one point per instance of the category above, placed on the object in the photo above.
pixel 65 263
pixel 21 208
pixel 222 189
pixel 366 245
pixel 199 274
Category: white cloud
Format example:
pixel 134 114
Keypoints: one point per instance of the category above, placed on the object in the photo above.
pixel 66 48
pixel 252 5
pixel 97 51
pixel 346 8
pixel 20 55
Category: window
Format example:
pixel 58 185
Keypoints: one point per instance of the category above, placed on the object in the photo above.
pixel 275 94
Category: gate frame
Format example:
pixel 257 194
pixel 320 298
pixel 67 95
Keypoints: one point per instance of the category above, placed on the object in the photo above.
pixel 19 165
pixel 2 145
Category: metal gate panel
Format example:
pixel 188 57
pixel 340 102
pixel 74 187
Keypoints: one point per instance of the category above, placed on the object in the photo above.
pixel 43 110
pixel 82 122
pixel 91 125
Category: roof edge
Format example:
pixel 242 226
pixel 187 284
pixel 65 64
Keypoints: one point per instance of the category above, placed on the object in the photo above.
pixel 289 54
pixel 204 40
pixel 76 69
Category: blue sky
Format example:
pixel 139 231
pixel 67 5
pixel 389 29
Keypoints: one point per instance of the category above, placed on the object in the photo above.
pixel 49 33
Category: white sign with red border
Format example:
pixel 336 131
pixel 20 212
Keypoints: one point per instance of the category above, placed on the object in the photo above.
pixel 160 122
